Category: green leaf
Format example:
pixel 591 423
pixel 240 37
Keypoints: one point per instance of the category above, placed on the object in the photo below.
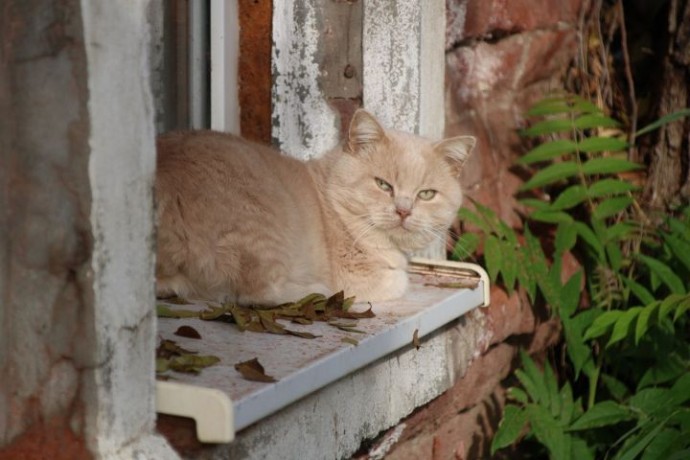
pixel 548 432
pixel 591 239
pixel 492 256
pixel 551 217
pixel 465 246
pixel 570 295
pixel 680 391
pixel 680 248
pixel 637 443
pixel 617 388
pixel 570 197
pixel 619 231
pixel 548 127
pixel 579 351
pixel 536 204
pixel 665 370
pixel 662 446
pixel 566 237
pixel 595 121
pixel 609 186
pixel 603 324
pixel 668 277
pixel 554 398
pixel 644 320
pixel 622 327
pixel 602 144
pixel 651 400
pixel 640 291
pixel 514 419
pixel 548 151
pixel 518 395
pixel 568 407
pixel 611 207
pixel 536 387
pixel 469 216
pixel 551 174
pixel 608 166
pixel 510 266
pixel 671 117
pixel 601 414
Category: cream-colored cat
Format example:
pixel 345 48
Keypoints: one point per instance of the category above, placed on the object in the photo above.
pixel 239 221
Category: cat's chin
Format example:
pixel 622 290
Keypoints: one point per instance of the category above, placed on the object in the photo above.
pixel 407 240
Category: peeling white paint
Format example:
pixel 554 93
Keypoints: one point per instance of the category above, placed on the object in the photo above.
pixel 304 125
pixel 120 421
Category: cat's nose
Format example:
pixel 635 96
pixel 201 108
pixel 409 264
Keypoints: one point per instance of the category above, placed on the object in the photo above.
pixel 403 212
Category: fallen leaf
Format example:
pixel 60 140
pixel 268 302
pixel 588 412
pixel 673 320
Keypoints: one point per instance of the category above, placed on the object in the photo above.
pixel 253 370
pixel 268 322
pixel 168 348
pixel 304 335
pixel 350 340
pixel 192 363
pixel 213 313
pixel 163 311
pixel 415 339
pixel 351 329
pixel 187 331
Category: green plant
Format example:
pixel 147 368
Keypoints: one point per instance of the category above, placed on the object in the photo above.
pixel 625 392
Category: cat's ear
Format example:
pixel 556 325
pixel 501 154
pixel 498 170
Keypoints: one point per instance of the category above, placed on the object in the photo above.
pixel 364 130
pixel 456 150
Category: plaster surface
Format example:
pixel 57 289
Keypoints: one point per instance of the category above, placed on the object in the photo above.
pixel 303 124
pixel 121 170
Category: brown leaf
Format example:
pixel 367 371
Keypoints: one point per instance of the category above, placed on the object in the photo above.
pixel 350 340
pixel 192 363
pixel 253 370
pixel 415 339
pixel 187 331
pixel 169 348
pixel 304 321
pixel 353 314
pixel 267 321
pixel 304 335
pixel 242 316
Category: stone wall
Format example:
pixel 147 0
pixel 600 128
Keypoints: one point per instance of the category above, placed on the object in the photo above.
pixel 501 56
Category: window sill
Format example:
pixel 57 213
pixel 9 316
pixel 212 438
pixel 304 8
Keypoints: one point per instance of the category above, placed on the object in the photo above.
pixel 223 403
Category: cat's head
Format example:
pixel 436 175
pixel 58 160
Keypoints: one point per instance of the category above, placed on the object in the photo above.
pixel 396 184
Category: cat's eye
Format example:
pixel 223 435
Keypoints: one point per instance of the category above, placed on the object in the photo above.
pixel 426 195
pixel 383 185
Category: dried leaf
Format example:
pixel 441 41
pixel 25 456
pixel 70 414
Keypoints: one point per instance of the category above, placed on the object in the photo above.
pixel 335 302
pixel 351 329
pixel 162 365
pixel 242 316
pixel 353 314
pixel 350 340
pixel 192 363
pixel 267 321
pixel 188 331
pixel 415 339
pixel 163 311
pixel 304 321
pixel 304 335
pixel 213 313
pixel 338 323
pixel 169 348
pixel 253 370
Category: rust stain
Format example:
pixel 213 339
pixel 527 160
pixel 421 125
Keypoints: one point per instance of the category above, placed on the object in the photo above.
pixel 51 439
pixel 255 69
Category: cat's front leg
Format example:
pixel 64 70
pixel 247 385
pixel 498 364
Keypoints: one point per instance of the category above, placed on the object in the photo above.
pixel 383 284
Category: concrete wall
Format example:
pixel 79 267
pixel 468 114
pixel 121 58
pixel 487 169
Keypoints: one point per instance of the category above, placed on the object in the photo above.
pixel 76 273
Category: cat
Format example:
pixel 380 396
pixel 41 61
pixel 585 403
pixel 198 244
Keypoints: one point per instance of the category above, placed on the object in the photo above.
pixel 242 222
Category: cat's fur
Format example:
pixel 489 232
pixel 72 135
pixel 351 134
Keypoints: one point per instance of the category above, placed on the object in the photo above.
pixel 242 222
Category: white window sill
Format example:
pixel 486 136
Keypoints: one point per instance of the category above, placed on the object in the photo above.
pixel 222 402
